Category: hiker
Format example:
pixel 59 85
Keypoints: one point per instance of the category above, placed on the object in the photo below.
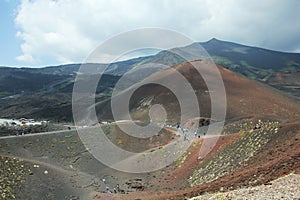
pixel 107 189
pixel 182 130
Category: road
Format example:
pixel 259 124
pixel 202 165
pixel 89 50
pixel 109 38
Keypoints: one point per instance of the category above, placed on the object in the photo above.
pixel 35 134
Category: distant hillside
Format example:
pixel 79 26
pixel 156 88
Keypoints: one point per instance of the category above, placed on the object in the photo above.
pixel 60 79
pixel 245 56
pixel 244 96
pixel 277 69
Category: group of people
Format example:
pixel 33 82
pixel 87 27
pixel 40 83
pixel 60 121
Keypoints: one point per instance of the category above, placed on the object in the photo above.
pixel 186 132
pixel 115 190
pixel 19 133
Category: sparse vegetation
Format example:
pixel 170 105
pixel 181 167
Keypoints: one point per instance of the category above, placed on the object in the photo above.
pixel 12 175
pixel 251 140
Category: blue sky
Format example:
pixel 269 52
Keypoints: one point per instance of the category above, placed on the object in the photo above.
pixel 52 32
pixel 10 44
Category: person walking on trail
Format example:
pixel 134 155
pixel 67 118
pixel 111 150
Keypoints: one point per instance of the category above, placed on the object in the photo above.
pixel 107 189
pixel 117 188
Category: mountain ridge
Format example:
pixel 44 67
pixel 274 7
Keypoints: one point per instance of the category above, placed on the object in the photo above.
pixel 277 69
pixel 21 83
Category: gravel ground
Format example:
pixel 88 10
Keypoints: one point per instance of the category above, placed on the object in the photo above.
pixel 287 187
pixel 12 176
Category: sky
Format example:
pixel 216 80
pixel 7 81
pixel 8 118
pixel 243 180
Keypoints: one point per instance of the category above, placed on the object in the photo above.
pixel 51 32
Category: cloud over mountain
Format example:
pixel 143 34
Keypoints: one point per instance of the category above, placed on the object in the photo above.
pixel 67 31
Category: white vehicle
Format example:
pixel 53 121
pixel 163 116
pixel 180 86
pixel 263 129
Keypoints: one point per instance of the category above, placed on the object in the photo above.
pixel 22 119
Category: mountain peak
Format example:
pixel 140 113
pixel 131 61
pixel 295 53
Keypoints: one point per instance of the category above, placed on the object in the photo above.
pixel 213 40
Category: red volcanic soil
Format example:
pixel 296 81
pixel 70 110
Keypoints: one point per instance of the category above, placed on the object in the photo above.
pixel 278 158
pixel 173 179
pixel 244 96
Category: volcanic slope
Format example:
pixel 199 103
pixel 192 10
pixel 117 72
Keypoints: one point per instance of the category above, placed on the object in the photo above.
pixel 244 97
pixel 244 155
pixel 259 143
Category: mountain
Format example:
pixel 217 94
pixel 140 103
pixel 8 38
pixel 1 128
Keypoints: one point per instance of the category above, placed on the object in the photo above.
pixel 260 138
pixel 259 142
pixel 245 97
pixel 245 56
pixel 277 69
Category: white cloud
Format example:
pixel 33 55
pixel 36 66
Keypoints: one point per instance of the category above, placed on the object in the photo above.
pixel 68 31
pixel 270 23
pixel 25 58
